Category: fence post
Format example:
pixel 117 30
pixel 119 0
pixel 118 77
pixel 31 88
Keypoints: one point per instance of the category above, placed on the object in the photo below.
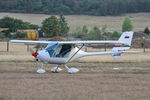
pixel 28 48
pixel 105 48
pixel 144 44
pixel 8 45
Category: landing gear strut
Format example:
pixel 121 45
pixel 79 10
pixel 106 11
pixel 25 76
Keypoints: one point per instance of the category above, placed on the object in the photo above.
pixel 56 69
pixel 69 70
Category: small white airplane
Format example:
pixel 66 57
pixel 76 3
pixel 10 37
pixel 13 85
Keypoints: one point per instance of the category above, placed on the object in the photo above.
pixel 62 52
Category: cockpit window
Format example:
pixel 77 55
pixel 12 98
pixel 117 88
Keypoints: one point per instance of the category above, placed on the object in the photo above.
pixel 63 50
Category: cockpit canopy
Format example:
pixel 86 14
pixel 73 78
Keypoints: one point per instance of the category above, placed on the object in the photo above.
pixel 59 50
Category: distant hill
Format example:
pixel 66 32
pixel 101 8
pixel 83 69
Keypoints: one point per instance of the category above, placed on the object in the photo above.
pixel 86 7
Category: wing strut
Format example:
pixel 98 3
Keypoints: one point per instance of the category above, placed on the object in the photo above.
pixel 75 53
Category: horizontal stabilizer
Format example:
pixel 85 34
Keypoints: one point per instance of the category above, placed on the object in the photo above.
pixel 120 48
pixel 131 51
pixel 118 53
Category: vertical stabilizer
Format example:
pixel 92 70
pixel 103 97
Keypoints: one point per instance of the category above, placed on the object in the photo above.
pixel 126 37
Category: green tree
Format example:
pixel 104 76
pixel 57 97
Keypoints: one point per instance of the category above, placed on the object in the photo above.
pixel 115 35
pixel 51 26
pixel 84 29
pixel 64 28
pixel 88 7
pixel 78 32
pixel 85 32
pixel 127 24
pixel 2 35
pixel 81 32
pixel 18 35
pixel 29 6
pixel 14 25
pixel 95 33
pixel 104 28
pixel 146 30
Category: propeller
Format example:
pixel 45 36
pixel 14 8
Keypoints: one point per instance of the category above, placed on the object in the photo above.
pixel 34 53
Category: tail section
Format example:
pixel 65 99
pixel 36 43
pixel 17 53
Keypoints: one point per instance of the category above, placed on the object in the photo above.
pixel 126 37
pixel 116 52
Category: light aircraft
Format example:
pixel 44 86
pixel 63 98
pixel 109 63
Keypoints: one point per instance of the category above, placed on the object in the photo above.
pixel 63 52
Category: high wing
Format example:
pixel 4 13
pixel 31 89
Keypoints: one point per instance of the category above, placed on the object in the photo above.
pixel 125 40
pixel 70 42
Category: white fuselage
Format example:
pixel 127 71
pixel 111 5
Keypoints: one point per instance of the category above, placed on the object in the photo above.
pixel 44 56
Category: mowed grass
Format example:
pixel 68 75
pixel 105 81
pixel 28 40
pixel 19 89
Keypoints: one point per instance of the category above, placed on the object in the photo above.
pixel 91 83
pixel 97 79
pixel 80 86
pixel 140 20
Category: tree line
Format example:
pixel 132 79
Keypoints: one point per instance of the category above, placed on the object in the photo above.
pixel 87 7
pixel 55 26
pixel 51 27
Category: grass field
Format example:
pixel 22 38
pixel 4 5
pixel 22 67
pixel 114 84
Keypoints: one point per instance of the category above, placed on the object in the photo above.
pixel 97 79
pixel 140 20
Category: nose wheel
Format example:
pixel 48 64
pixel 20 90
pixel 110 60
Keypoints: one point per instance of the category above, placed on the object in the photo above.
pixel 41 70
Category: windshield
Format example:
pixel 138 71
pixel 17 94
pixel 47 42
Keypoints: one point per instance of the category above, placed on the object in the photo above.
pixel 51 47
